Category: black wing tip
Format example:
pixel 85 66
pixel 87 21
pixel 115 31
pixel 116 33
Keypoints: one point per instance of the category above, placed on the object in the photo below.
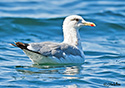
pixel 23 46
pixel 20 45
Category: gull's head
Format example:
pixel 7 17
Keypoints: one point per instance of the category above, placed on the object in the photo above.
pixel 75 21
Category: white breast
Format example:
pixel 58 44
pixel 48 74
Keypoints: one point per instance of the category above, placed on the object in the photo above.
pixel 40 59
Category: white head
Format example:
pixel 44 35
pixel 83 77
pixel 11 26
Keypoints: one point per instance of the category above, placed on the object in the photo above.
pixel 75 21
pixel 71 25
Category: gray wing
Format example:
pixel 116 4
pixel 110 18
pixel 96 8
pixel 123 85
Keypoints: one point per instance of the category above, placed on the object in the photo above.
pixel 55 49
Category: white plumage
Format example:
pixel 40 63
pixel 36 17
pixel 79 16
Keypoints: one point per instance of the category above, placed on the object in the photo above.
pixel 67 52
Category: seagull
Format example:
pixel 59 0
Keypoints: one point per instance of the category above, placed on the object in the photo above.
pixel 67 52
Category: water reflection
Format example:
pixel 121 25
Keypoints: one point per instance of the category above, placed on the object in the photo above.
pixel 51 71
pixel 71 72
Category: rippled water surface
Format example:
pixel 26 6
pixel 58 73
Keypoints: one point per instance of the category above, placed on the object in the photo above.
pixel 41 20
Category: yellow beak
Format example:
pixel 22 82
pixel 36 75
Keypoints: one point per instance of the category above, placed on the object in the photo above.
pixel 89 24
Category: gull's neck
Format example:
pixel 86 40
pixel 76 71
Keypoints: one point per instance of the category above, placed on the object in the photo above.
pixel 72 37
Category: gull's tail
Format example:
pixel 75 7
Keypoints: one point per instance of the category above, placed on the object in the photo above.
pixel 20 45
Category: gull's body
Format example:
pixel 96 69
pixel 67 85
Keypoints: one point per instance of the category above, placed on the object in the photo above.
pixel 68 52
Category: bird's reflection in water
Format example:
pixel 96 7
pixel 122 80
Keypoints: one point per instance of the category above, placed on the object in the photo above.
pixel 72 72
pixel 51 71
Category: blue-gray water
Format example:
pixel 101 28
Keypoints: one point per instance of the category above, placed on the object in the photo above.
pixel 41 20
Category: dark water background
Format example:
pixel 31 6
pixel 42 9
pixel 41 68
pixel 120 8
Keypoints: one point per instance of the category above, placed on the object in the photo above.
pixel 41 20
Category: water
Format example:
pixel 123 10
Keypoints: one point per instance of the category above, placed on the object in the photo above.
pixel 41 20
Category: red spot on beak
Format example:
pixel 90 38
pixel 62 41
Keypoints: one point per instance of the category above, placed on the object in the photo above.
pixel 92 25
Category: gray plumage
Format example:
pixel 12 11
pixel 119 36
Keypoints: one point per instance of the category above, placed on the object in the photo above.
pixel 58 50
pixel 69 51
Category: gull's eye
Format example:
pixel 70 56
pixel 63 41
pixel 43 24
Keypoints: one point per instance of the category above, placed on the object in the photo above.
pixel 75 19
